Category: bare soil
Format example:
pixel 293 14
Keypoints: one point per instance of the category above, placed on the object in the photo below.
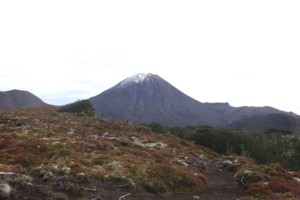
pixel 220 183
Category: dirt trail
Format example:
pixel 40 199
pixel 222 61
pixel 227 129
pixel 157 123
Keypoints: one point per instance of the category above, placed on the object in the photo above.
pixel 220 183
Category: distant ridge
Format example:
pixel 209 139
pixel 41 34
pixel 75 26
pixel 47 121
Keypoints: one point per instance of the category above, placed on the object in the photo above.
pixel 15 99
pixel 149 98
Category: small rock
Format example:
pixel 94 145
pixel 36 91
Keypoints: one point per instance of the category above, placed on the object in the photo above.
pixel 55 143
pixel 56 169
pixel 66 170
pixel 227 164
pixel 153 188
pixel 196 197
pixel 37 171
pixel 105 134
pixel 81 176
pixel 48 176
pixel 7 173
pixel 297 179
pixel 27 179
pixel 128 182
pixel 5 190
pixel 71 132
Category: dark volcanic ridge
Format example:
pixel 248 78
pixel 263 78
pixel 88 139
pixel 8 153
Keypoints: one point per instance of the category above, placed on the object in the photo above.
pixel 146 98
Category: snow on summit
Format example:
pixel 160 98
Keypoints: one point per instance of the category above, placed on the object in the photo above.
pixel 137 78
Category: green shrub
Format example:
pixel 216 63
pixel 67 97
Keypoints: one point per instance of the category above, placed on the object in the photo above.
pixel 246 177
pixel 83 107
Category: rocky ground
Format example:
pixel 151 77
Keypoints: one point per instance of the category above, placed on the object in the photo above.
pixel 45 154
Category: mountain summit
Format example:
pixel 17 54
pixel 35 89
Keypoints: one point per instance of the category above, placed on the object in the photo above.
pixel 149 98
pixel 137 78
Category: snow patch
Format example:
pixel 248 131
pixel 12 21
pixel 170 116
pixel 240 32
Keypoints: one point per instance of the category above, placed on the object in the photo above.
pixel 137 78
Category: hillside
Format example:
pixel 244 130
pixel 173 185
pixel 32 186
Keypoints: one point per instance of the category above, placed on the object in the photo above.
pixel 45 154
pixel 146 98
pixel 15 99
pixel 77 157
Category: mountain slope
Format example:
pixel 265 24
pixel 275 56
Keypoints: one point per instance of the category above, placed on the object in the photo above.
pixel 15 99
pixel 47 154
pixel 149 98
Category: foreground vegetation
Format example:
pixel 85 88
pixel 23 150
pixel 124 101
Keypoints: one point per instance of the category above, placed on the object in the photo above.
pixel 69 155
pixel 46 154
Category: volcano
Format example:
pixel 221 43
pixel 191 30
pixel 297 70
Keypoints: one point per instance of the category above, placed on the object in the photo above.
pixel 146 98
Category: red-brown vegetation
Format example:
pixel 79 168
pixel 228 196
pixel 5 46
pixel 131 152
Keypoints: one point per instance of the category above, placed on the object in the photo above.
pixel 62 151
pixel 48 145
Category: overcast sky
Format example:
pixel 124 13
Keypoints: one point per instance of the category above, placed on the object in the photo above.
pixel 241 52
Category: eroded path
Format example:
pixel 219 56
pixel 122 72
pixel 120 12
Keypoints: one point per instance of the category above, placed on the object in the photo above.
pixel 220 183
